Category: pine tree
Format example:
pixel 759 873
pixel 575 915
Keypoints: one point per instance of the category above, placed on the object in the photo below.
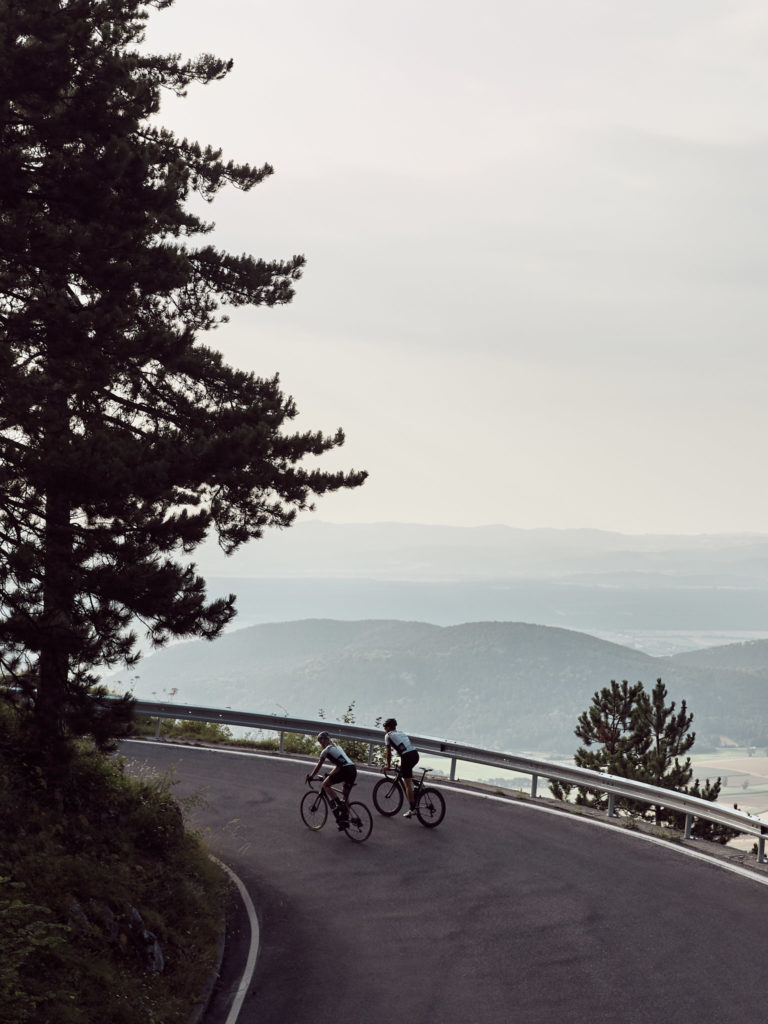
pixel 661 738
pixel 635 735
pixel 606 731
pixel 123 440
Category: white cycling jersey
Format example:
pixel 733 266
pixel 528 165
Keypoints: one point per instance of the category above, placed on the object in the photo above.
pixel 335 755
pixel 399 741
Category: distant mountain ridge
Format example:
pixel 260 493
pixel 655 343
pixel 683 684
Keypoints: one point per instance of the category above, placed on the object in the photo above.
pixel 586 580
pixel 409 552
pixel 508 685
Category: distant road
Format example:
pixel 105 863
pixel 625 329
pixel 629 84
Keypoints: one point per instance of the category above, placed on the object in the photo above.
pixel 503 914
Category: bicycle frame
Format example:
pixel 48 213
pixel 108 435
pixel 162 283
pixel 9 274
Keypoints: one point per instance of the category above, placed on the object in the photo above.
pixel 316 785
pixel 354 819
pixel 398 780
pixel 429 804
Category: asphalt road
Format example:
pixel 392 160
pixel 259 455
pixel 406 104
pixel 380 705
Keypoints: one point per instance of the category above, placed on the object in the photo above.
pixel 502 914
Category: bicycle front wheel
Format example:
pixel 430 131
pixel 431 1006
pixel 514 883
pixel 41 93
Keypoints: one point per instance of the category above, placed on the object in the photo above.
pixel 430 810
pixel 359 824
pixel 387 797
pixel 314 810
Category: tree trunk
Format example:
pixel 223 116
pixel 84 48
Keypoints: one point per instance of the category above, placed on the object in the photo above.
pixel 56 623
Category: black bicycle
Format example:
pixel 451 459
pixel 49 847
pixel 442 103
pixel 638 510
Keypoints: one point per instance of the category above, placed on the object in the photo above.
pixel 353 817
pixel 389 793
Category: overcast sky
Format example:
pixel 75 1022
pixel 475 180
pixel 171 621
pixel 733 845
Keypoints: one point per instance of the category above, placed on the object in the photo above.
pixel 536 242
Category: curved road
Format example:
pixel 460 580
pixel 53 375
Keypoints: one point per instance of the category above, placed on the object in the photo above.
pixel 502 914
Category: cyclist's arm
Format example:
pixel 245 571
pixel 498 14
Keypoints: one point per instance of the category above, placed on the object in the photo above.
pixel 317 767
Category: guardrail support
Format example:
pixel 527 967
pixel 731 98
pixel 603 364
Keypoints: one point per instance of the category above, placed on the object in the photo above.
pixel 688 825
pixel 282 741
pixel 534 785
pixel 157 730
pixel 761 859
pixel 453 769
pixel 612 806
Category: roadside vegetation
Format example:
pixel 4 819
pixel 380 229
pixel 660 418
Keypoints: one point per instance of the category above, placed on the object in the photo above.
pixel 109 909
pixel 184 730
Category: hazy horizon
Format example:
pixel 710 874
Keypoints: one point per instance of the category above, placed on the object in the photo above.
pixel 657 593
pixel 536 252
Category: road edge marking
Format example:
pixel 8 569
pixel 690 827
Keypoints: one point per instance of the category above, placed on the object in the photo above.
pixel 665 844
pixel 253 951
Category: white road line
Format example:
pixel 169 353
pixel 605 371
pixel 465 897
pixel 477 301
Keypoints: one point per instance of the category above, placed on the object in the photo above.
pixel 253 952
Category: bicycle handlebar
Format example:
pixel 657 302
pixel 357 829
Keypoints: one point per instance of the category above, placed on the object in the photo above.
pixel 316 778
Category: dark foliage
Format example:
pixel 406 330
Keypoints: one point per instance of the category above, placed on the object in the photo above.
pixel 632 734
pixel 123 440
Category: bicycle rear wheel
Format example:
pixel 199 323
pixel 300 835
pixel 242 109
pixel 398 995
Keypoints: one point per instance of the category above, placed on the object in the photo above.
pixel 430 809
pixel 314 810
pixel 359 823
pixel 387 797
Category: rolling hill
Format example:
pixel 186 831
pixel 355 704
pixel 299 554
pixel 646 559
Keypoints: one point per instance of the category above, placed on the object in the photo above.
pixel 508 685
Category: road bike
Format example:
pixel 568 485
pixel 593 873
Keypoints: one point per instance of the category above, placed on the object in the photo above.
pixel 353 817
pixel 388 795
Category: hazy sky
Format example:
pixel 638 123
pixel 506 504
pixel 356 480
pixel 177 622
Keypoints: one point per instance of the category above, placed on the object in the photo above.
pixel 536 241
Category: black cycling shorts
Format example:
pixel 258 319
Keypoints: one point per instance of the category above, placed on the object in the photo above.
pixel 407 762
pixel 344 773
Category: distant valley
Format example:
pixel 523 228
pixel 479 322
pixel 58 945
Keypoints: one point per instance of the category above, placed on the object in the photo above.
pixel 491 635
pixel 511 686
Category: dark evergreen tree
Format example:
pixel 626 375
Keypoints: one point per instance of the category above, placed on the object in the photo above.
pixel 635 735
pixel 661 738
pixel 606 731
pixel 123 440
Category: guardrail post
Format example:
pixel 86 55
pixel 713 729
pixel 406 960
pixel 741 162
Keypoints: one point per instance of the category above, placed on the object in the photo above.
pixel 688 824
pixel 282 741
pixel 612 806
pixel 157 729
pixel 370 753
pixel 761 848
pixel 453 769
pixel 534 785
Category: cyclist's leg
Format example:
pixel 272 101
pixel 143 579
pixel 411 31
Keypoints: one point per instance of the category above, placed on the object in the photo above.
pixel 328 784
pixel 334 799
pixel 407 761
pixel 408 781
pixel 345 777
pixel 349 774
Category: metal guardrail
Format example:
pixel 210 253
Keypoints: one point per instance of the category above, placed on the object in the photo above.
pixel 613 785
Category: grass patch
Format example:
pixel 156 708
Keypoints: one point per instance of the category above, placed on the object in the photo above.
pixel 90 863
pixel 188 731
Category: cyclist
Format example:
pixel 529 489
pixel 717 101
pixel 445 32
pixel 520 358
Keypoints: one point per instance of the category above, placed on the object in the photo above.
pixel 409 756
pixel 344 773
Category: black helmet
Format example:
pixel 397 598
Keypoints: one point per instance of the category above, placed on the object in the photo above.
pixel 323 738
pixel 391 723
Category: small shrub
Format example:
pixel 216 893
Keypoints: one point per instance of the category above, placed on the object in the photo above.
pixel 182 729
pixel 359 750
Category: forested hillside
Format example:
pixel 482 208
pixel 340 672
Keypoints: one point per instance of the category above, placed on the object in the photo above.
pixel 751 656
pixel 508 685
